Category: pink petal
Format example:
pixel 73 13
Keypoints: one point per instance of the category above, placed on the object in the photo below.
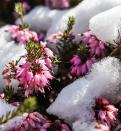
pixel 48 52
pixel 44 80
pixel 101 44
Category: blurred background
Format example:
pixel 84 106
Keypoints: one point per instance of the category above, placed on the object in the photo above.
pixel 8 15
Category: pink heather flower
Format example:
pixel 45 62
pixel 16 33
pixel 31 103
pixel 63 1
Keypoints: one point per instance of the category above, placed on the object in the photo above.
pixel 94 45
pixel 35 73
pixel 33 121
pixel 44 80
pixel 89 63
pixel 84 68
pixel 111 108
pixel 36 122
pixel 58 4
pixel 24 75
pixel 22 35
pixel 36 81
pixel 43 44
pixel 48 52
pixel 76 70
pixel 75 60
pixel 95 49
pixel 102 115
pixel 13 29
pixel 47 74
pixel 79 68
pixel 43 64
pixel 48 62
pixel 54 37
pixel 9 73
pixel 106 114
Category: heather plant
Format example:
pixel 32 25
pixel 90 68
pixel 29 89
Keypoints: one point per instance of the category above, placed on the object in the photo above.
pixel 35 72
pixel 106 115
pixel 37 122
pixel 76 57
pixel 89 51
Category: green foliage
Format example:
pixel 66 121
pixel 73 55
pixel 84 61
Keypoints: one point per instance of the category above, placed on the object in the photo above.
pixel 56 60
pixel 19 9
pixel 64 45
pixel 83 52
pixel 20 12
pixel 29 105
pixel 9 93
pixel 70 23
pixel 34 51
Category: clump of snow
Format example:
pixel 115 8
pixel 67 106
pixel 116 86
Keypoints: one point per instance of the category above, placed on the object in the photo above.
pixel 78 126
pixel 5 108
pixel 42 18
pixel 8 108
pixel 75 101
pixel 9 50
pixel 13 123
pixel 107 24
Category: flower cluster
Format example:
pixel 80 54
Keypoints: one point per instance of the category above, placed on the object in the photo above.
pixel 89 51
pixel 94 45
pixel 58 4
pixel 34 80
pixel 36 69
pixel 9 73
pixel 35 121
pixel 105 114
pixel 78 68
pixel 54 38
pixel 34 74
pixel 22 35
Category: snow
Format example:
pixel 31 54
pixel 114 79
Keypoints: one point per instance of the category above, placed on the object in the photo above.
pixel 9 50
pixel 75 101
pixel 77 126
pixel 5 107
pixel 42 18
pixel 13 123
pixel 106 25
